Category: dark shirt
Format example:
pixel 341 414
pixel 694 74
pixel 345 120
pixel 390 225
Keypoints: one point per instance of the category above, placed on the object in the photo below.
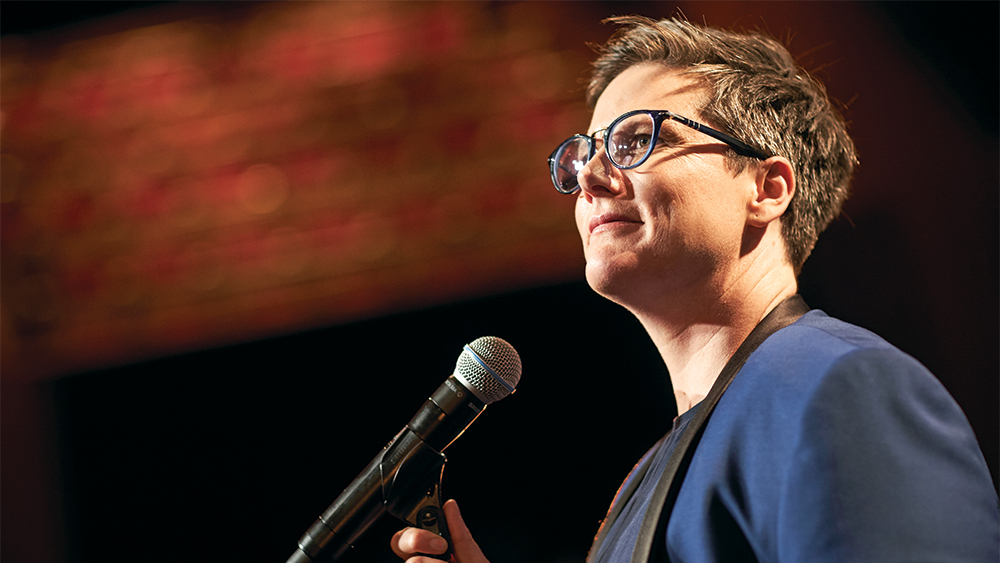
pixel 622 535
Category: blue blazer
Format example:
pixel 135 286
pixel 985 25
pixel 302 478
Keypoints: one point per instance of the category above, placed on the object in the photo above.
pixel 830 445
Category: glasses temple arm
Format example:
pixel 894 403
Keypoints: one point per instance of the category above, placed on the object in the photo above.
pixel 740 146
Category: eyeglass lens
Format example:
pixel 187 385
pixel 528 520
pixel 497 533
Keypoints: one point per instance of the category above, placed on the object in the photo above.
pixel 630 139
pixel 569 160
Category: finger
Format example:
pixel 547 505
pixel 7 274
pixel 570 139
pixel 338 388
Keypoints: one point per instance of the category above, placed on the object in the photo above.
pixel 394 543
pixel 410 541
pixel 465 548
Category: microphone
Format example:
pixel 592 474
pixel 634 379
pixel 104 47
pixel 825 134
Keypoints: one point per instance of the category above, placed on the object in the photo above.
pixel 404 479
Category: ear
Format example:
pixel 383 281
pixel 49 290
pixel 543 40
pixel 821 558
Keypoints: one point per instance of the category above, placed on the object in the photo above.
pixel 775 186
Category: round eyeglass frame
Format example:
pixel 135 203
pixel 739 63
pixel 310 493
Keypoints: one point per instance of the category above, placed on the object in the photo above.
pixel 658 117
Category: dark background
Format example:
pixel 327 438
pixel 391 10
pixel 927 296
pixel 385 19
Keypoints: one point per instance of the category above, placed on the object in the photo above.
pixel 230 453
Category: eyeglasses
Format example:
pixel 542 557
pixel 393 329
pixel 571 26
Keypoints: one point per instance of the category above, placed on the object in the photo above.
pixel 629 141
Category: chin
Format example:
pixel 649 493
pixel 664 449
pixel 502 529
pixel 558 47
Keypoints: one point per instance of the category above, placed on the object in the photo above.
pixel 607 282
pixel 630 284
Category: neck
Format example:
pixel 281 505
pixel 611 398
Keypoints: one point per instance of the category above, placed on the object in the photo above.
pixel 697 333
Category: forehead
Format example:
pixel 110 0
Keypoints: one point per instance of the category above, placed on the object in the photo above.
pixel 648 86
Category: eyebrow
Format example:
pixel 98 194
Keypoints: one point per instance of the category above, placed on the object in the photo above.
pixel 673 129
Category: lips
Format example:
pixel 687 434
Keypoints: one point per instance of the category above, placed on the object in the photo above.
pixel 610 220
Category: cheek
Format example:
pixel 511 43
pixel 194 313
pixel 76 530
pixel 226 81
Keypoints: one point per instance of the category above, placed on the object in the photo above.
pixel 582 217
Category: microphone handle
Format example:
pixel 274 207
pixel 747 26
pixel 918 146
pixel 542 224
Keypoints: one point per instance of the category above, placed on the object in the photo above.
pixel 403 480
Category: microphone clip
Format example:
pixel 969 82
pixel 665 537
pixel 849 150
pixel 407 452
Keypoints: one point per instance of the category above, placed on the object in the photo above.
pixel 411 486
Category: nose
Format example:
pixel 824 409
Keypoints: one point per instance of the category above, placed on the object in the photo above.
pixel 598 177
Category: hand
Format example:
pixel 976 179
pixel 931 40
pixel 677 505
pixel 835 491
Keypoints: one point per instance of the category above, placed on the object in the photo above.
pixel 407 542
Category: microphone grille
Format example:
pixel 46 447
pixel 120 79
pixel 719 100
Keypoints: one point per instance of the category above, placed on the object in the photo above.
pixel 490 367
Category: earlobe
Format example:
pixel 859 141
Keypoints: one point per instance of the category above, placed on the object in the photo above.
pixel 775 186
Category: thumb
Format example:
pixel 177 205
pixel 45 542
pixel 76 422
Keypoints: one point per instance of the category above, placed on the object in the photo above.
pixel 464 548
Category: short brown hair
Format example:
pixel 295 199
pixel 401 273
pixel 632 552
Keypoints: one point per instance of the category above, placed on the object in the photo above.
pixel 758 94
